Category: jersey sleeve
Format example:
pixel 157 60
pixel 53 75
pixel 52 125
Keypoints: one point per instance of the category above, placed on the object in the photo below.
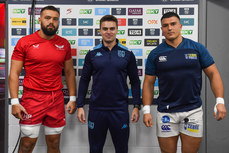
pixel 206 59
pixel 134 79
pixel 68 52
pixel 19 51
pixel 150 68
pixel 84 81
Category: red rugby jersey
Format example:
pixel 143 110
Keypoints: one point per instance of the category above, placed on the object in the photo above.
pixel 43 61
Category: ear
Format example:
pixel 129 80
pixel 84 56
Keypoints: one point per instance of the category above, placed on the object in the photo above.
pixel 39 19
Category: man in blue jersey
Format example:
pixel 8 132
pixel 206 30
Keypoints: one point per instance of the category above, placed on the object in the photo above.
pixel 178 63
pixel 109 64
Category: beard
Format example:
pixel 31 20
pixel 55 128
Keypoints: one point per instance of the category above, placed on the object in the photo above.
pixel 49 31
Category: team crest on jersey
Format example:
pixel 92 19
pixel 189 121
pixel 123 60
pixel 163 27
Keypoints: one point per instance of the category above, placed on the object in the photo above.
pixel 36 46
pixel 121 53
pixel 190 56
pixel 61 47
pixel 162 58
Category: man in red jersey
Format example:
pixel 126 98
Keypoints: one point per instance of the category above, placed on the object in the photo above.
pixel 43 55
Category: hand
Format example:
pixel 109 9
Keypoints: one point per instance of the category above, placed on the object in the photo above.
pixel 221 111
pixel 147 119
pixel 81 115
pixel 71 107
pixel 17 111
pixel 135 115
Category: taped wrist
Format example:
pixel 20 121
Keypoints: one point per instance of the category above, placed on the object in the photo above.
pixel 146 109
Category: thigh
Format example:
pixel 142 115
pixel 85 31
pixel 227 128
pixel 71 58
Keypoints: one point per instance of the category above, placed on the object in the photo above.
pixel 189 144
pixel 35 104
pixel 169 144
pixel 167 124
pixel 97 130
pixel 119 129
pixel 55 114
pixel 192 123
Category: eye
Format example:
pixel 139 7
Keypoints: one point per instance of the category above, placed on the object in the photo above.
pixel 112 28
pixel 164 25
pixel 105 29
pixel 55 19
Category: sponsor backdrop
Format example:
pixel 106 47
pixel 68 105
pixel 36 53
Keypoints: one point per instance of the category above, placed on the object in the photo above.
pixel 139 26
pixel 139 30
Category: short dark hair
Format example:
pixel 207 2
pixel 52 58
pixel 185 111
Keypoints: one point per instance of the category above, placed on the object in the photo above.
pixel 170 14
pixel 108 18
pixel 50 8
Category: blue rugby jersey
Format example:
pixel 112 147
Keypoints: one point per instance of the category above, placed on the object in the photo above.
pixel 109 71
pixel 179 72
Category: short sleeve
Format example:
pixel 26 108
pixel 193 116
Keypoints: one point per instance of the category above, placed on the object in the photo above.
pixel 19 51
pixel 150 64
pixel 206 59
pixel 68 52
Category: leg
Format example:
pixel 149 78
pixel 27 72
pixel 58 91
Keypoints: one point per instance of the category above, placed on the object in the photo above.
pixel 27 144
pixel 190 144
pixel 119 129
pixel 169 144
pixel 97 130
pixel 53 142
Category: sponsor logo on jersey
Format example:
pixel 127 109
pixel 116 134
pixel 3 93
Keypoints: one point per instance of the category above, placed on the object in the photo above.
pixel 162 58
pixel 191 127
pixel 135 42
pixel 152 32
pixel 187 21
pixel 85 11
pixel 135 11
pixel 121 22
pixel 165 119
pixel 186 32
pixel 135 32
pixel 68 32
pixel 152 11
pixel 85 22
pixel 190 56
pixel 18 11
pixel 98 54
pixel 166 10
pixel 121 53
pixel 165 128
pixel 91 125
pixel 102 11
pixel 135 22
pixel 27 117
pixel 151 42
pixel 85 42
pixel 18 31
pixel 186 11
pixel 137 52
pixel 18 21
pixel 69 21
pixel 118 11
pixel 85 32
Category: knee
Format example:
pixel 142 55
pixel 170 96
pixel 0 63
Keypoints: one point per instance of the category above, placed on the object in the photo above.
pixel 27 146
pixel 53 143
